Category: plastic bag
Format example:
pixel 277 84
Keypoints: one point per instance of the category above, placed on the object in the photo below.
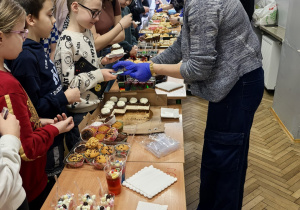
pixel 160 144
pixel 265 13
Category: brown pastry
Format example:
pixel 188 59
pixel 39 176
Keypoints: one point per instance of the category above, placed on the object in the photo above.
pixel 107 150
pixel 92 143
pixel 88 133
pixel 80 148
pixel 91 153
pixel 122 147
pixel 101 159
pixel 103 129
pixel 75 157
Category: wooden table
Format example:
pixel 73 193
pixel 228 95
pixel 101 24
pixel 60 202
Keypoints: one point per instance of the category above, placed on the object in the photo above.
pixel 173 128
pixel 173 196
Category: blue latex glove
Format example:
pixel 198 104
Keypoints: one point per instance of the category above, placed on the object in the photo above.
pixel 171 11
pixel 139 71
pixel 159 10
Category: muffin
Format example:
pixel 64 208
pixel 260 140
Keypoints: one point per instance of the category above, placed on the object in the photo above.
pixel 80 148
pixel 111 135
pixel 91 153
pixel 107 150
pixel 118 125
pixel 92 143
pixel 100 136
pixel 75 160
pixel 100 161
pixel 87 133
pixel 103 128
pixel 122 149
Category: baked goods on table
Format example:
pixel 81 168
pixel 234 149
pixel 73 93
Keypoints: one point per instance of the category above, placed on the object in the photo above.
pixel 75 160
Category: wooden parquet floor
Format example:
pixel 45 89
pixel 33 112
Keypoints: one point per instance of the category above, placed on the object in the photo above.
pixel 273 175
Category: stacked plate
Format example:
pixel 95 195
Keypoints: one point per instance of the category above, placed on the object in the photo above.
pixel 149 181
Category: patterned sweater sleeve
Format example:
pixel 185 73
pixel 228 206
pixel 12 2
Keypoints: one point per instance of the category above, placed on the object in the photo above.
pixel 171 55
pixel 203 23
pixel 66 68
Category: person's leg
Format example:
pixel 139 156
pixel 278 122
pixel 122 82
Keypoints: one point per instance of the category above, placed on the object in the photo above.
pixel 38 202
pixel 226 144
pixel 24 205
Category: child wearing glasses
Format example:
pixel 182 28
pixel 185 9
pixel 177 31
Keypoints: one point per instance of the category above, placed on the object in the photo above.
pixel 75 42
pixel 36 134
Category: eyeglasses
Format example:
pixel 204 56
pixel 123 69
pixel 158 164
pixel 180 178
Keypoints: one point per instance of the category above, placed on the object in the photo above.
pixel 94 13
pixel 23 33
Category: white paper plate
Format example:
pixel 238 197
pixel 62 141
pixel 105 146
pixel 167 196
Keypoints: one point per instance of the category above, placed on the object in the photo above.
pixel 169 113
pixel 149 181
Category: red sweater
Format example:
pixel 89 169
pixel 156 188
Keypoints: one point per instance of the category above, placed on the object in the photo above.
pixel 35 139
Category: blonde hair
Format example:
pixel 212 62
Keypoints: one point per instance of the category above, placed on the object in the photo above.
pixel 11 12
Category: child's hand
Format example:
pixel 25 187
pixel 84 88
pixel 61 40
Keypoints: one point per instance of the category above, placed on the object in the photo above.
pixel 59 117
pixel 10 125
pixel 46 121
pixel 107 74
pixel 133 51
pixel 126 21
pixel 65 125
pixel 105 60
pixel 73 95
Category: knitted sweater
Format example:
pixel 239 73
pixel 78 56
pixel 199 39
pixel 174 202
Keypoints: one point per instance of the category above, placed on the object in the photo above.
pixel 217 46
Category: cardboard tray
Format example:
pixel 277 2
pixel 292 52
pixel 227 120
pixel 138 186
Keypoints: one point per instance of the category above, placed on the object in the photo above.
pixel 154 99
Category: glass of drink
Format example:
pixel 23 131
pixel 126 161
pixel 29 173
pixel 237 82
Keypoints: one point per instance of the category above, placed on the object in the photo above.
pixel 113 178
pixel 118 161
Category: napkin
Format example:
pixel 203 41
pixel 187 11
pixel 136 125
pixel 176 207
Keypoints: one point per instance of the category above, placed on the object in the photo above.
pixel 150 206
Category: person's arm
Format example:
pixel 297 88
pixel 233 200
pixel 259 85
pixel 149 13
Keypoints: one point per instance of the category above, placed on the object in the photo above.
pixel 203 38
pixel 43 103
pixel 34 143
pixel 10 163
pixel 66 68
pixel 115 34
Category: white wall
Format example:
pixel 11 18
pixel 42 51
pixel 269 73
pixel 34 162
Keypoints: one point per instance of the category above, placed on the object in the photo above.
pixel 283 7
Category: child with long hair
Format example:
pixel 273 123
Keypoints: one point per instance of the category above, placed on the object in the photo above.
pixel 36 134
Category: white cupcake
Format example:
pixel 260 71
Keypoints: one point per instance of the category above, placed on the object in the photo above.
pixel 110 102
pixel 110 106
pixel 144 100
pixel 133 100
pixel 114 99
pixel 123 99
pixel 105 111
pixel 121 104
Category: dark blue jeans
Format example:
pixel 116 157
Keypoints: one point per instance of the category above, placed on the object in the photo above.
pixel 226 144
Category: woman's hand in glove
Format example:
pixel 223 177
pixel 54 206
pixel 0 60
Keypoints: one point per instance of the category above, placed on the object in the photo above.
pixel 139 71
